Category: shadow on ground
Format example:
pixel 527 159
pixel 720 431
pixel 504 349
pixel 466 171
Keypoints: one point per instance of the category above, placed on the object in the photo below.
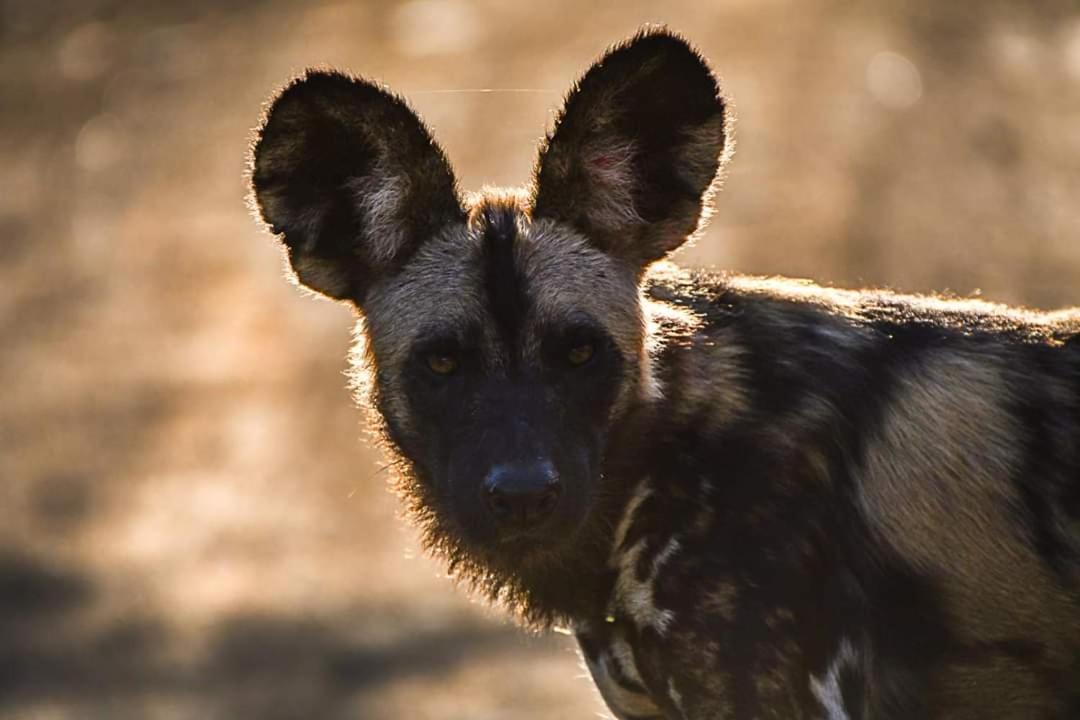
pixel 248 666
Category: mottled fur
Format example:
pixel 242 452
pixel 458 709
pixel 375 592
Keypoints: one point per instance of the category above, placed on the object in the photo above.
pixel 779 500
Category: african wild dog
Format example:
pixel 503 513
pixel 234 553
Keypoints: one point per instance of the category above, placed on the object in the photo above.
pixel 750 498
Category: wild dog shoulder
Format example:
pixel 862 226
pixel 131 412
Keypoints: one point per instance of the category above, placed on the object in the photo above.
pixel 690 634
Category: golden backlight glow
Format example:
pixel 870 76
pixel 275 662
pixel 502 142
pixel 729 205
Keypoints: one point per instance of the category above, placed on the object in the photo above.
pixel 192 525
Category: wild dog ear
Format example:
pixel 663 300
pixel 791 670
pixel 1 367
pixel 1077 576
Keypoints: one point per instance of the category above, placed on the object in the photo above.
pixel 351 179
pixel 636 148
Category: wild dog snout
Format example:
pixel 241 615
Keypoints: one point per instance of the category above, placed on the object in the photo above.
pixel 522 496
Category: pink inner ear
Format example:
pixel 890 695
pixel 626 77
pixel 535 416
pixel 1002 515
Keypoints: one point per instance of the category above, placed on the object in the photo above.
pixel 610 169
pixel 611 162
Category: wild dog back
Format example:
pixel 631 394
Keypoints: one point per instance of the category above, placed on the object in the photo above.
pixel 750 498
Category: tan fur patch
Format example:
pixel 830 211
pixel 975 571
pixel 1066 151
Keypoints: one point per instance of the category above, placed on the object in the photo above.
pixel 714 386
pixel 937 488
pixel 1001 685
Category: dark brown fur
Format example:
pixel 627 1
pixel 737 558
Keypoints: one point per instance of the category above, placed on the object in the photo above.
pixel 778 500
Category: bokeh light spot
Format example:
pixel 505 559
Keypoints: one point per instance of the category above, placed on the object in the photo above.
pixel 893 80
pixel 435 27
pixel 85 52
pixel 100 144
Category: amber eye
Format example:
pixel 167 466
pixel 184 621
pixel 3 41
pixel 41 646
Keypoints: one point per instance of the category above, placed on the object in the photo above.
pixel 442 363
pixel 580 354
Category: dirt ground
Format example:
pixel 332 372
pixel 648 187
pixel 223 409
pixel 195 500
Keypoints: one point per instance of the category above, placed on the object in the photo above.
pixel 191 524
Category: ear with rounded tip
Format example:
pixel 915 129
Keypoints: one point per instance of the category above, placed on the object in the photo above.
pixel 351 180
pixel 636 149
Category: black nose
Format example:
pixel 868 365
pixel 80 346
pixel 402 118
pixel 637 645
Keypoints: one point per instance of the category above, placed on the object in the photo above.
pixel 522 495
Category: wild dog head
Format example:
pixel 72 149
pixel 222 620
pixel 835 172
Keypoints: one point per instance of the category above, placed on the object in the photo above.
pixel 503 334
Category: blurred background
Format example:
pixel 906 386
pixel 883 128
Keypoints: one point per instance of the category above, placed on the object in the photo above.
pixel 191 525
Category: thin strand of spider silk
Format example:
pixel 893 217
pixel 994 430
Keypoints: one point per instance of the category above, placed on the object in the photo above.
pixel 485 91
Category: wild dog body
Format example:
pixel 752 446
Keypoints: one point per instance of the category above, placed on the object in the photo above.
pixel 852 505
pixel 750 498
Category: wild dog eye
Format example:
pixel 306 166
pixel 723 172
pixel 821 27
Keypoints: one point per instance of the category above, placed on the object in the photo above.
pixel 580 354
pixel 577 344
pixel 442 363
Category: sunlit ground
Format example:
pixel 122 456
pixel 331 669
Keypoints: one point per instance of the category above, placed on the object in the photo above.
pixel 192 525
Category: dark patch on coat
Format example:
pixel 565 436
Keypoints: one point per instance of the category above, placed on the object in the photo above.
pixel 507 293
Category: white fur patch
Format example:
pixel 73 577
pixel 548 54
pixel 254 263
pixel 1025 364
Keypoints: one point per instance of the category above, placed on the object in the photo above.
pixel 636 598
pixel 641 494
pixel 675 696
pixel 380 198
pixel 827 689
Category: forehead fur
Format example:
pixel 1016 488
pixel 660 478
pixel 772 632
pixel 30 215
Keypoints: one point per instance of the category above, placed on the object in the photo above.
pixel 438 288
pixel 566 275
pixel 448 284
